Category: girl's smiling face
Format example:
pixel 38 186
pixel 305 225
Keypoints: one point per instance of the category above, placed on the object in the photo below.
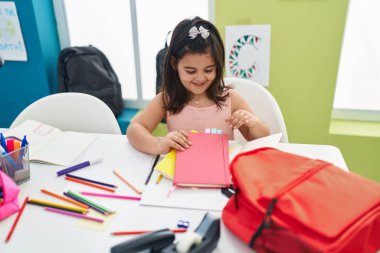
pixel 196 72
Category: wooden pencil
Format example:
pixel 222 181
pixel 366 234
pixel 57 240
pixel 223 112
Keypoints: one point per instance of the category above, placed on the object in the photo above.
pixel 136 232
pixel 17 219
pixel 64 198
pixel 55 210
pixel 56 205
pixel 126 182
pixel 90 184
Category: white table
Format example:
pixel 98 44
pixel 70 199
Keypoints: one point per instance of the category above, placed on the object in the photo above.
pixel 42 231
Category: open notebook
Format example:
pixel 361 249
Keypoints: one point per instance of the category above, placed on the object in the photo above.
pixel 205 163
pixel 48 144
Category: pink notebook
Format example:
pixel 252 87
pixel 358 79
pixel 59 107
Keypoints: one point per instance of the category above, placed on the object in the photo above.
pixel 205 163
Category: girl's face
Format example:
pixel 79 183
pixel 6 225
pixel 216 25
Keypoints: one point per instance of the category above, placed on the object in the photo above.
pixel 196 72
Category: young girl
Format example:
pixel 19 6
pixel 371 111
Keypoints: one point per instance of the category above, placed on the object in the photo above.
pixel 193 95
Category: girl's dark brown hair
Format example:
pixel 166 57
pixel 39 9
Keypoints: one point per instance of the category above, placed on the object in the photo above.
pixel 174 94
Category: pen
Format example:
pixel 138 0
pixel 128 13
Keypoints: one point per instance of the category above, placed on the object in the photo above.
pixel 78 166
pixel 151 170
pixel 3 144
pixel 136 232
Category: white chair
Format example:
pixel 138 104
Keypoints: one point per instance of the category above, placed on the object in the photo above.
pixel 71 111
pixel 262 103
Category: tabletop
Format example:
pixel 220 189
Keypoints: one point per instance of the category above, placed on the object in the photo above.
pixel 42 231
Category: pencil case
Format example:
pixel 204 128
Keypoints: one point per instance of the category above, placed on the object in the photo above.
pixel 9 196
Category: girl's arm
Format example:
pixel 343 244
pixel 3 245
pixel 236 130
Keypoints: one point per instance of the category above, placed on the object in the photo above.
pixel 139 132
pixel 244 119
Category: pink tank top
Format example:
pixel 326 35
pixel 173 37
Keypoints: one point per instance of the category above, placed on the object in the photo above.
pixel 194 118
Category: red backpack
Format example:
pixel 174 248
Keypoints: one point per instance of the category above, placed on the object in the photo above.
pixel 289 203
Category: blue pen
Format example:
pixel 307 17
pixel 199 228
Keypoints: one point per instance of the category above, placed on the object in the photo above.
pixel 13 166
pixel 3 144
pixel 24 142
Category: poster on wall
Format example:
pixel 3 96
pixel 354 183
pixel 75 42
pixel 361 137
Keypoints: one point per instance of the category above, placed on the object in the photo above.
pixel 248 52
pixel 12 45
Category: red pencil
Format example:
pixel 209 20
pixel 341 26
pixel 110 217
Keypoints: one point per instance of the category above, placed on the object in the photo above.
pixel 16 220
pixel 136 232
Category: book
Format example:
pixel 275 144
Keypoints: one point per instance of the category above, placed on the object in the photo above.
pixel 48 144
pixel 205 163
pixel 166 166
pixel 237 147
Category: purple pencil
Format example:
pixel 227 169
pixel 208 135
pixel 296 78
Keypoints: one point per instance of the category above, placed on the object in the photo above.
pixel 110 196
pixel 55 210
pixel 85 203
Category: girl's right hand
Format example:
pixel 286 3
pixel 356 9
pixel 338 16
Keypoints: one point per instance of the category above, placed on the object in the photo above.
pixel 178 140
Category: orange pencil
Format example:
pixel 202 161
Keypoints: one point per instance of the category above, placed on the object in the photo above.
pixel 64 198
pixel 126 181
pixel 136 232
pixel 16 220
pixel 90 184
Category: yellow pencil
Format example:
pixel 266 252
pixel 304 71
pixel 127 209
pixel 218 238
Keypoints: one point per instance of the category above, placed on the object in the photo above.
pixel 159 179
pixel 56 205
pixel 126 181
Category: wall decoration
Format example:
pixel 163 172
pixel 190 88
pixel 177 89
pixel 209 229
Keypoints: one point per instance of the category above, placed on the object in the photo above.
pixel 12 45
pixel 248 52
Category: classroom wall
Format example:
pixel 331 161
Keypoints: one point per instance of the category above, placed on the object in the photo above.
pixel 306 39
pixel 22 83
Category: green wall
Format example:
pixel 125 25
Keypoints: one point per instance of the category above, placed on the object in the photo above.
pixel 306 37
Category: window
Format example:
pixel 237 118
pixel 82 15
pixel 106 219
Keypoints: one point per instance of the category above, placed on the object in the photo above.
pixel 357 94
pixel 130 33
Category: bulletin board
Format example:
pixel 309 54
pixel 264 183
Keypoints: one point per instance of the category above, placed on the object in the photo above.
pixel 12 45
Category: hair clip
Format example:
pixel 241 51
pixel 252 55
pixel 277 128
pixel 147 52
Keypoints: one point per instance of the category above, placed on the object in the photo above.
pixel 193 32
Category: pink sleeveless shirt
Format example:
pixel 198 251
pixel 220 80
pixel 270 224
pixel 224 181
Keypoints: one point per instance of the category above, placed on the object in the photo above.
pixel 194 118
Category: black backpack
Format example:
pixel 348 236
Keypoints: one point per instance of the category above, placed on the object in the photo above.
pixel 160 58
pixel 87 70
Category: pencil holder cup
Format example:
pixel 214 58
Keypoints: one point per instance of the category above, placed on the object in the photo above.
pixel 16 164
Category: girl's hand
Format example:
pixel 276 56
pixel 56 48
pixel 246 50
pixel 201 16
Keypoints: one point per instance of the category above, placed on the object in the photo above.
pixel 178 140
pixel 242 118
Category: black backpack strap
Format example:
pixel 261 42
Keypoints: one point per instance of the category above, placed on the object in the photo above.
pixel 265 224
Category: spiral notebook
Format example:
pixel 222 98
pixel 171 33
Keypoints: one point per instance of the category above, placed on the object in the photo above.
pixel 205 163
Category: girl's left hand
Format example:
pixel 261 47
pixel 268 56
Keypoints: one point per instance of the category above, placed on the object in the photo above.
pixel 242 118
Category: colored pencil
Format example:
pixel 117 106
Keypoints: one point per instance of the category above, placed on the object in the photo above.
pixel 73 214
pixel 89 184
pixel 152 169
pixel 158 180
pixel 56 205
pixel 136 232
pixel 64 198
pixel 90 202
pixel 91 181
pixel 126 181
pixel 110 196
pixel 85 203
pixel 17 219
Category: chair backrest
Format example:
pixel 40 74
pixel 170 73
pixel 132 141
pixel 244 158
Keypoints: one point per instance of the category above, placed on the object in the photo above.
pixel 71 111
pixel 262 103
